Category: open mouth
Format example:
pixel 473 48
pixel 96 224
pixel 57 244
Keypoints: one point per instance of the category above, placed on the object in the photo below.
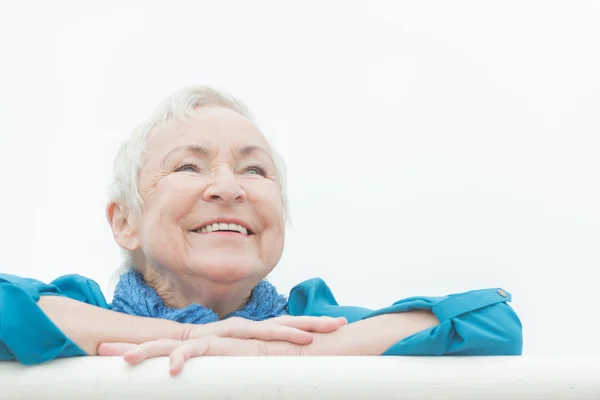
pixel 224 227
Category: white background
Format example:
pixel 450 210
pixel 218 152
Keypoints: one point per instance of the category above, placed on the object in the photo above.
pixel 433 147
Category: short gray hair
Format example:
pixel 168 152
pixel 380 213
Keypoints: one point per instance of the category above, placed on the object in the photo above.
pixel 179 106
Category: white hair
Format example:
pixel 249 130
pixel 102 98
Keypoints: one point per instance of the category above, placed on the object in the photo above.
pixel 180 106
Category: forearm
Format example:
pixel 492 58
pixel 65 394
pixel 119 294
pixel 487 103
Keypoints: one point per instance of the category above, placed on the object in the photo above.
pixel 88 325
pixel 371 336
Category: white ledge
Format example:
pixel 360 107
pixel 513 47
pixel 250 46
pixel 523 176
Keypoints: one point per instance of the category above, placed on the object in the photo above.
pixel 464 378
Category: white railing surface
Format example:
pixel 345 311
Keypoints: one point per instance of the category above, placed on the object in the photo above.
pixel 423 378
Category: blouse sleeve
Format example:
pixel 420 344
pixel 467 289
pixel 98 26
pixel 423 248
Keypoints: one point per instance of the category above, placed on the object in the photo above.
pixel 27 335
pixel 474 323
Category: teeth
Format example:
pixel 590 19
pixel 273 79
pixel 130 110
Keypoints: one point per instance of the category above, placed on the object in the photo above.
pixel 223 226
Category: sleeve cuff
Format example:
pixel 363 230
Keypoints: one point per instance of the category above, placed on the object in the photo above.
pixel 459 304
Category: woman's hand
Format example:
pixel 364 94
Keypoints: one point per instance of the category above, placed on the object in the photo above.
pixel 294 330
pixel 285 328
pixel 179 351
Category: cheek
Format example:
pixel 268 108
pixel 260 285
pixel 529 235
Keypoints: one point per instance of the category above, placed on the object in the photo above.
pixel 171 201
pixel 269 208
pixel 161 235
pixel 175 196
pixel 265 198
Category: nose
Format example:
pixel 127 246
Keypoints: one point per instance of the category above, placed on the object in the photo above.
pixel 224 187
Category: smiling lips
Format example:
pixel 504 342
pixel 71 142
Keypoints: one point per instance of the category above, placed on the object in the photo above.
pixel 224 227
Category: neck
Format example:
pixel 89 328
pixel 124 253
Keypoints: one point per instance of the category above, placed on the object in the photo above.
pixel 180 292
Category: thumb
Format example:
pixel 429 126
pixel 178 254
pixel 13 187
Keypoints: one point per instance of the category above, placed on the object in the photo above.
pixel 115 349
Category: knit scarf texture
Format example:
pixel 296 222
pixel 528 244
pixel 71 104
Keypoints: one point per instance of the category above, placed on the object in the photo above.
pixel 133 296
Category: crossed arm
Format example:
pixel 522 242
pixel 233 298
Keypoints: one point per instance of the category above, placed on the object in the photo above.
pixel 102 332
pixel 478 322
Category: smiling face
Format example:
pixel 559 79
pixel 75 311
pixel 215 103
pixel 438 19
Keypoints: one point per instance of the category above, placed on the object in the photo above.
pixel 212 204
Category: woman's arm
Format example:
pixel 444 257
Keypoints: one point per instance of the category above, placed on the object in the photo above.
pixel 478 322
pixel 371 336
pixel 38 322
pixel 416 332
pixel 88 325
pixel 41 322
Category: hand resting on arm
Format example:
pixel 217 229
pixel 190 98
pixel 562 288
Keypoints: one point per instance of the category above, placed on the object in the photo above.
pixel 88 326
pixel 474 323
pixel 369 337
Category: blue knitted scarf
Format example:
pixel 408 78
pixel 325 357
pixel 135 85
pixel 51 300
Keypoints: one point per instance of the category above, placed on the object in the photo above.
pixel 133 296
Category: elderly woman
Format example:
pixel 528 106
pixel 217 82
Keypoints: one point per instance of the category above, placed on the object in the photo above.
pixel 198 205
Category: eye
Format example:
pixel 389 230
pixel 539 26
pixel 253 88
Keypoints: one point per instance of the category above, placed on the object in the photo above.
pixel 255 170
pixel 189 167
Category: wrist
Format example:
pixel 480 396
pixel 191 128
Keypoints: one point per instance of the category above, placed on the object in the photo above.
pixel 188 331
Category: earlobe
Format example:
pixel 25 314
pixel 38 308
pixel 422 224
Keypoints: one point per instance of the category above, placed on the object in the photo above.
pixel 122 227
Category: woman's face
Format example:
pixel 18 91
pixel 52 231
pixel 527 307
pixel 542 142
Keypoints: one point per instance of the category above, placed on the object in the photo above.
pixel 211 199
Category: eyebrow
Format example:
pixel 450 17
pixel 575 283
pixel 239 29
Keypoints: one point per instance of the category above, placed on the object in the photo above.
pixel 201 151
pixel 247 150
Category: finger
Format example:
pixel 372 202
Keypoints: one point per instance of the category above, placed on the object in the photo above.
pixel 157 348
pixel 312 324
pixel 187 350
pixel 269 331
pixel 115 349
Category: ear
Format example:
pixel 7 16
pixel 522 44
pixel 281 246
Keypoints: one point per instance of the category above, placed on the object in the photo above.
pixel 122 226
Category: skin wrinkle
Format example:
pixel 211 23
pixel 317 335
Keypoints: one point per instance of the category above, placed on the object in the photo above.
pixel 163 288
pixel 185 267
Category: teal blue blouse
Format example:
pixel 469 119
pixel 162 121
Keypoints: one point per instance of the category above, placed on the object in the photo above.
pixel 474 323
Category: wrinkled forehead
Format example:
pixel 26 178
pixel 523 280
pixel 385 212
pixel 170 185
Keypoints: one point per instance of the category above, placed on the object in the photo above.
pixel 216 129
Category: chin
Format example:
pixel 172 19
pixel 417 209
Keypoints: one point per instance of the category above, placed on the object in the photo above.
pixel 228 271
